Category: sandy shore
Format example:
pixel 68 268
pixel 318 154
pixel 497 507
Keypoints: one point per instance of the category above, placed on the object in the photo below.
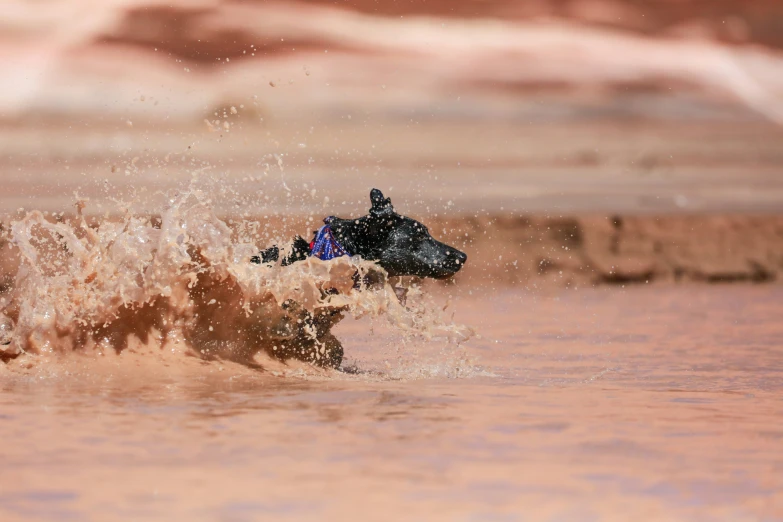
pixel 541 252
pixel 429 168
pixel 571 204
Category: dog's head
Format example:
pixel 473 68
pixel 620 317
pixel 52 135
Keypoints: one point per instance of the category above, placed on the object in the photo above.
pixel 401 245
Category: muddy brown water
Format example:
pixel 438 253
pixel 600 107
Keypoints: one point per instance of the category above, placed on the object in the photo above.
pixel 642 403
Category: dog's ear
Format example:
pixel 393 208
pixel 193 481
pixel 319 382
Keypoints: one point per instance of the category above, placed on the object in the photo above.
pixel 380 205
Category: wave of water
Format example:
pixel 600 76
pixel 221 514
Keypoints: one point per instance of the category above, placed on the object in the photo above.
pixel 185 279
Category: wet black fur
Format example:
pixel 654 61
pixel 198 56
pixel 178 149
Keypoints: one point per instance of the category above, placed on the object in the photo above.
pixel 399 244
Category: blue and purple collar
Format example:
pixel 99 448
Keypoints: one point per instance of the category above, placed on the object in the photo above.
pixel 325 246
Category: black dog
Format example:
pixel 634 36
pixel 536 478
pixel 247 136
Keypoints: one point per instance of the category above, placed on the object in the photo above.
pixel 400 245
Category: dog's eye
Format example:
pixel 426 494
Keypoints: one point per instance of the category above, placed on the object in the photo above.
pixel 419 234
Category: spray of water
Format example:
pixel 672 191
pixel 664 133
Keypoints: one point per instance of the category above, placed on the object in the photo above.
pixel 185 278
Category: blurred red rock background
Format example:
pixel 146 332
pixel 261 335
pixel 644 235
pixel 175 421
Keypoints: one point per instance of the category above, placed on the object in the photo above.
pixel 541 59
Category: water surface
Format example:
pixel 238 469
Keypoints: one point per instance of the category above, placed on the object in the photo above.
pixel 651 403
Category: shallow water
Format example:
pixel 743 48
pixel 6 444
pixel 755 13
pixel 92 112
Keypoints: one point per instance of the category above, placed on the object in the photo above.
pixel 652 403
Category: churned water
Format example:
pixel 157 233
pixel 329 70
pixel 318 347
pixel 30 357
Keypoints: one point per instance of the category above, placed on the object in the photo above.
pixel 652 403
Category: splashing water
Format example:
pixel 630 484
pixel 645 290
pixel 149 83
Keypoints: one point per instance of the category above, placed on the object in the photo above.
pixel 186 278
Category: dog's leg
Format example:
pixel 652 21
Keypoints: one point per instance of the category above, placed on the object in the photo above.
pixel 333 349
pixel 312 342
pixel 300 249
pixel 326 352
pixel 270 255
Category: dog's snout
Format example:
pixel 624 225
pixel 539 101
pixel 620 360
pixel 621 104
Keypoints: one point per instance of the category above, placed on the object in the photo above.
pixel 455 259
pixel 459 257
